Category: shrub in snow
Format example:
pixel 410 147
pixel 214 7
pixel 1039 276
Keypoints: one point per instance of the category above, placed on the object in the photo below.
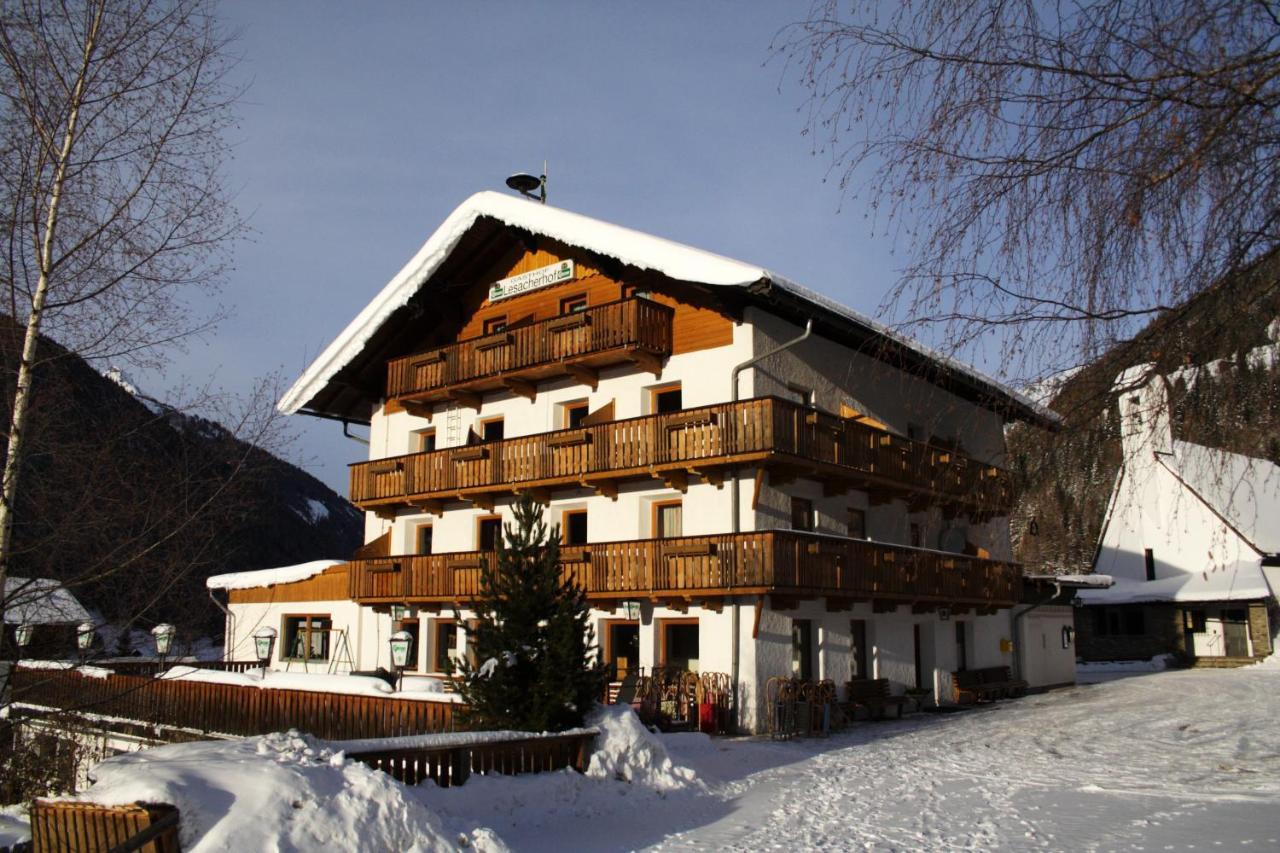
pixel 534 639
pixel 627 751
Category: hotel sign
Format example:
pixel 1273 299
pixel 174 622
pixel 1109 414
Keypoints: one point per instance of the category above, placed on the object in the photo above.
pixel 531 280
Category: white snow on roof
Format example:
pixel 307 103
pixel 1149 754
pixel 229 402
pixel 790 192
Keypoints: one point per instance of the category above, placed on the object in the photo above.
pixel 269 577
pixel 40 601
pixel 1243 490
pixel 635 248
pixel 1243 581
pixel 1076 581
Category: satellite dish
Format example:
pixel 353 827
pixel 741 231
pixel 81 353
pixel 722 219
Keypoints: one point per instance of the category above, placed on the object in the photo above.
pixel 524 183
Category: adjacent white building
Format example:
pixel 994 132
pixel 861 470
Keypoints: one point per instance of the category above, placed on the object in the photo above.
pixel 747 477
pixel 1191 537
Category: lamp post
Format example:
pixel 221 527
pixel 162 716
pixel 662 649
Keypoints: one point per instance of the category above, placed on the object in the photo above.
pixel 84 639
pixel 163 634
pixel 264 639
pixel 400 643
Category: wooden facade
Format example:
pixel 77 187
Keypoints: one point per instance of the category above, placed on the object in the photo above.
pixel 783 563
pixel 790 438
pixel 329 585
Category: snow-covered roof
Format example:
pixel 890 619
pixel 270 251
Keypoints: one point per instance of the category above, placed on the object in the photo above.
pixel 270 577
pixel 40 601
pixel 1077 581
pixel 1242 490
pixel 1243 581
pixel 631 247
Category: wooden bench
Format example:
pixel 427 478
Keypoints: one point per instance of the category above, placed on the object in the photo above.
pixel 872 694
pixel 984 685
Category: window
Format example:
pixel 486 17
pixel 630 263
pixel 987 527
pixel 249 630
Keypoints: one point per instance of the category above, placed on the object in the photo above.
pixel 858 649
pixel 573 413
pixel 424 440
pixel 680 644
pixel 488 532
pixel 916 538
pixel 444 648
pixel 1194 621
pixel 915 432
pixel 1119 621
pixel 1149 558
pixel 962 648
pixel 493 429
pixel 802 649
pixel 493 325
pixel 574 527
pixel 665 400
pixel 668 521
pixel 573 304
pixel 801 514
pixel 422 539
pixel 306 638
pixel 414 629
pixel 857 523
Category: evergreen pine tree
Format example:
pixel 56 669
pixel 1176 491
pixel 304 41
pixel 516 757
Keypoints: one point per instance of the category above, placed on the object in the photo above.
pixel 536 668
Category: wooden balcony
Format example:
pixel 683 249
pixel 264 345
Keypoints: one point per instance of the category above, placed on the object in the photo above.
pixel 783 436
pixel 781 563
pixel 630 330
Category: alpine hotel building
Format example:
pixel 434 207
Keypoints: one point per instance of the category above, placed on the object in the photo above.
pixel 748 478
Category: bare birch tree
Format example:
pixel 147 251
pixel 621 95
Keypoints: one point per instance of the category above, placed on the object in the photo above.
pixel 1062 172
pixel 111 201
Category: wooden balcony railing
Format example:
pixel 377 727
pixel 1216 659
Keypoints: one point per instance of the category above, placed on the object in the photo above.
pixel 764 430
pixel 772 561
pixel 628 330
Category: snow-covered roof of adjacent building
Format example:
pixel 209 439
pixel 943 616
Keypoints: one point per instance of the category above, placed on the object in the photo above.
pixel 270 577
pixel 40 601
pixel 636 249
pixel 1073 581
pixel 1242 490
pixel 1242 581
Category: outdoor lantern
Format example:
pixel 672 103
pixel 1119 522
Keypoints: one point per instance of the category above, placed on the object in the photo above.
pixel 84 637
pixel 263 640
pixel 164 638
pixel 631 609
pixel 398 612
pixel 944 614
pixel 400 643
pixel 23 634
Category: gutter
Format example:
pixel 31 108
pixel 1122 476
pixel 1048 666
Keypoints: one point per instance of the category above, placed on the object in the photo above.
pixel 737 510
pixel 228 632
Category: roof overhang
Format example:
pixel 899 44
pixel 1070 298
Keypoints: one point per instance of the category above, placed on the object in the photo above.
pixel 345 380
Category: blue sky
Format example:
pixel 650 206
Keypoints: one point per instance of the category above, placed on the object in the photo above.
pixel 364 125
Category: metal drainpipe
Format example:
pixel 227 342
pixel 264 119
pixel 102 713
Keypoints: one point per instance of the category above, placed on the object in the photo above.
pixel 229 632
pixel 736 497
pixel 1017 617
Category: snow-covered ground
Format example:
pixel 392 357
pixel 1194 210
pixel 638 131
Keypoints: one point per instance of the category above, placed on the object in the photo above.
pixel 1175 760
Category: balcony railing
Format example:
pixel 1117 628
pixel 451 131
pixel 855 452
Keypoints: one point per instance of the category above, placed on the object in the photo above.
pixel 764 430
pixel 628 330
pixel 772 561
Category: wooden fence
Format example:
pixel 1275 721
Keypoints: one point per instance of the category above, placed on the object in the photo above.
pixel 756 430
pixel 453 764
pixel 229 709
pixel 777 561
pixel 59 826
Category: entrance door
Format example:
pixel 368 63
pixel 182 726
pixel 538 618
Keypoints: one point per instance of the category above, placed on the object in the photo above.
pixel 1235 633
pixel 624 648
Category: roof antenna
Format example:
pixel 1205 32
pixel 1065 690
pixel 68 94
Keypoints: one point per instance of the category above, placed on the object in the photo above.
pixel 525 184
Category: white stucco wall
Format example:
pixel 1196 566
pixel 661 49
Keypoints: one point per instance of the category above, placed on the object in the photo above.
pixel 1045 662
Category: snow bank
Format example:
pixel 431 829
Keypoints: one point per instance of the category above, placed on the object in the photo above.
pixel 280 792
pixel 358 685
pixel 1159 663
pixel 268 577
pixel 86 671
pixel 627 751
